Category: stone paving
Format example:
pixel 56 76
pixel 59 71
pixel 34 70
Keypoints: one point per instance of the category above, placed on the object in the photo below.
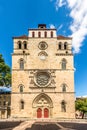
pixel 9 124
pixel 43 125
pixel 24 125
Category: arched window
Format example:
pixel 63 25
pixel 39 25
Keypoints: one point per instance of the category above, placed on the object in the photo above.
pixel 33 34
pixel 21 89
pixel 45 34
pixel 65 45
pixel 64 88
pixel 51 34
pixel 21 64
pixel 19 44
pixel 22 104
pixel 60 46
pixel 39 34
pixel 63 106
pixel 63 65
pixel 25 44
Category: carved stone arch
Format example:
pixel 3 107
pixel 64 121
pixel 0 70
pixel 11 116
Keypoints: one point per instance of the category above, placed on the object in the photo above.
pixel 21 85
pixel 64 60
pixel 20 60
pixel 64 84
pixel 42 53
pixel 42 99
pixel 25 41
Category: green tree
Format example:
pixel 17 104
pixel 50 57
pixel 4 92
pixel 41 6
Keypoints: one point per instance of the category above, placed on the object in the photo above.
pixel 5 73
pixel 81 105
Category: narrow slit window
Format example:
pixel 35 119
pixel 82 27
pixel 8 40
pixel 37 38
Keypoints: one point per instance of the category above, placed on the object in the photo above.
pixel 22 105
pixel 65 45
pixel 60 46
pixel 33 34
pixel 39 34
pixel 63 88
pixel 19 45
pixel 63 64
pixel 21 89
pixel 45 34
pixel 51 34
pixel 21 64
pixel 63 106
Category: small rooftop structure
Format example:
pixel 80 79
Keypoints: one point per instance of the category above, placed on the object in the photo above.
pixel 42 26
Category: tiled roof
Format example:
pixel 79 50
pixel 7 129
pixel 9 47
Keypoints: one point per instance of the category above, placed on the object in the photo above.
pixel 63 37
pixel 21 37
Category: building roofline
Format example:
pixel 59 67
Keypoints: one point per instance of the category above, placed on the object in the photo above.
pixel 63 37
pixel 19 37
pixel 59 37
pixel 42 29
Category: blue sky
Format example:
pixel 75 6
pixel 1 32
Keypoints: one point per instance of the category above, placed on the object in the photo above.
pixel 69 17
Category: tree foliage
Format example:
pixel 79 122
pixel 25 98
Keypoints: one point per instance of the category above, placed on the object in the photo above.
pixel 5 73
pixel 81 105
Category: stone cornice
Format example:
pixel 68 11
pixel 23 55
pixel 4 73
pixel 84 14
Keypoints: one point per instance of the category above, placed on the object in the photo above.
pixel 62 54
pixel 42 88
pixel 20 54
pixel 42 92
pixel 41 29
pixel 42 69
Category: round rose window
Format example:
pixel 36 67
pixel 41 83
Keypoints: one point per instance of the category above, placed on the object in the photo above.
pixel 43 45
pixel 42 78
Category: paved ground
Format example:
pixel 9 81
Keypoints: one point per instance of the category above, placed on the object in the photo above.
pixel 32 125
pixel 9 124
pixel 58 126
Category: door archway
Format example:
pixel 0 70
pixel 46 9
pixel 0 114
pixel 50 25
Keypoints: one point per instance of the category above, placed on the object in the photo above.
pixel 39 113
pixel 46 113
pixel 42 106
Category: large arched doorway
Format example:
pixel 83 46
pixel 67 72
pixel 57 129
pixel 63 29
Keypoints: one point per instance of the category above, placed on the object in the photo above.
pixel 42 106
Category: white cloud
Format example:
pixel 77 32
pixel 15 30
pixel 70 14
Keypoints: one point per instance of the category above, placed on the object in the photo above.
pixel 84 96
pixel 59 3
pixel 52 26
pixel 60 27
pixel 71 3
pixel 78 13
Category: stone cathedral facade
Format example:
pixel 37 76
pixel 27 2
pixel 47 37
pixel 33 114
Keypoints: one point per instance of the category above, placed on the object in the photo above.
pixel 42 75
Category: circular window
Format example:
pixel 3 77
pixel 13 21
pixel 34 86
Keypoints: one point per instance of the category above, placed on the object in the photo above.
pixel 42 79
pixel 43 45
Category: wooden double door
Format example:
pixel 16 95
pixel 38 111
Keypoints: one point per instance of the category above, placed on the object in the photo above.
pixel 42 113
